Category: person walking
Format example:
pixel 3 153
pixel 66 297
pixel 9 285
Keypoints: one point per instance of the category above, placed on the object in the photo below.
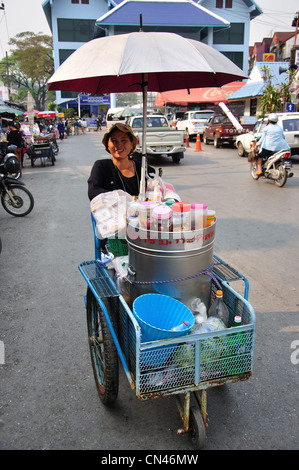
pixel 61 129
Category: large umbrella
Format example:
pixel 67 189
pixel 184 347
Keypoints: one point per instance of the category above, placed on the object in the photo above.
pixel 143 61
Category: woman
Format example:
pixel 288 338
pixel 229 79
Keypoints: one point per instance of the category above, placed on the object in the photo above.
pixel 122 172
pixel 15 137
pixel 61 129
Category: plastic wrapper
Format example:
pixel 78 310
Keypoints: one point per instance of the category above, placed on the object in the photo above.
pixel 109 211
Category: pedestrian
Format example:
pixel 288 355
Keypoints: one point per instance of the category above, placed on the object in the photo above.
pixel 76 127
pixel 99 123
pixel 83 126
pixel 15 139
pixel 61 129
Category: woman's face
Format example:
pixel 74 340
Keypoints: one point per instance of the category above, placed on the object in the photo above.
pixel 119 144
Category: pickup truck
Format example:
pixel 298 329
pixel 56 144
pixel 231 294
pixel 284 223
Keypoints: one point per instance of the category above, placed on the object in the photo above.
pixel 161 139
pixel 219 129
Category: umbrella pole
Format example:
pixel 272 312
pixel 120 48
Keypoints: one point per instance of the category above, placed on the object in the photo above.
pixel 143 158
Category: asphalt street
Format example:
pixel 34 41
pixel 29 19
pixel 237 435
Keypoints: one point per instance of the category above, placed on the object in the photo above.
pixel 48 395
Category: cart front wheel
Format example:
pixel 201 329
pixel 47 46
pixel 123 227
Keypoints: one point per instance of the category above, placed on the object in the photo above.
pixel 103 351
pixel 197 431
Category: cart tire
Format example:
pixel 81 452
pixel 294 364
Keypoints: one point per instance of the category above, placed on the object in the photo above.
pixel 103 351
pixel 197 430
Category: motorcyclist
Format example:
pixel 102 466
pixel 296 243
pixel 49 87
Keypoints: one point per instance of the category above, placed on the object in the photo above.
pixel 271 141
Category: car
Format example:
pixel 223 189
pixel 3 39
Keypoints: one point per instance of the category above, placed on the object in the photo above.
pixel 174 117
pixel 194 122
pixel 289 122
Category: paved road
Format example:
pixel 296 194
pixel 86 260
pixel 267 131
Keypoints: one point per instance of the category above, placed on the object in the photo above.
pixel 48 395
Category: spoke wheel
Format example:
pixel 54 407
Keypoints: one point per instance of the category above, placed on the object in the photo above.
pixel 103 351
pixel 22 201
pixel 253 170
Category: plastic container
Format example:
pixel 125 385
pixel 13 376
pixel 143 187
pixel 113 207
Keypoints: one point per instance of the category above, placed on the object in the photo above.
pixel 210 217
pixel 236 350
pixel 144 213
pixel 118 246
pixel 181 216
pixel 157 314
pixel 218 309
pixel 198 215
pixel 161 219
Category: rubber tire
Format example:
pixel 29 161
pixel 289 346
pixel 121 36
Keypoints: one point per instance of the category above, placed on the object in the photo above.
pixel 240 150
pixel 216 142
pixel 280 183
pixel 103 353
pixel 197 430
pixel 177 157
pixel 253 169
pixel 205 141
pixel 21 189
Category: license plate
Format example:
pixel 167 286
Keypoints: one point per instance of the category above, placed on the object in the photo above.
pixel 38 151
pixel 287 164
pixel 161 149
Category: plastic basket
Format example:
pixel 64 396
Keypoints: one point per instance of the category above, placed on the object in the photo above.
pixel 157 314
pixel 118 246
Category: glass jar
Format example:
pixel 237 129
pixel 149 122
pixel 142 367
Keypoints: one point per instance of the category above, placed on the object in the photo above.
pixel 198 215
pixel 181 216
pixel 161 219
pixel 144 213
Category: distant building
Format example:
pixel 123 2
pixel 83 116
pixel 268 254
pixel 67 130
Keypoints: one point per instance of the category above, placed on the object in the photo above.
pixel 222 24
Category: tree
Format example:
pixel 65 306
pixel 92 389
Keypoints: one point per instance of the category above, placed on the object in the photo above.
pixel 30 65
pixel 275 98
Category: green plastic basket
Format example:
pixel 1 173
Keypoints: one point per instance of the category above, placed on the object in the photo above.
pixel 118 246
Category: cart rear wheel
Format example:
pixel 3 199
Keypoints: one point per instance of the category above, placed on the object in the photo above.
pixel 103 351
pixel 197 431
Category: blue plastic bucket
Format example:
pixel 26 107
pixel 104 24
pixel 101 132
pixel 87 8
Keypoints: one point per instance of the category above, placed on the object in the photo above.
pixel 157 314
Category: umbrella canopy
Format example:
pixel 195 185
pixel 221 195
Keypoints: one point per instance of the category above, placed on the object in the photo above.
pixel 143 61
pixel 46 114
pixel 198 95
pixel 116 64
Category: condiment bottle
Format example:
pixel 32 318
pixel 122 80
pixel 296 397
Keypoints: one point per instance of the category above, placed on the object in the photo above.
pixel 198 215
pixel 161 219
pixel 181 216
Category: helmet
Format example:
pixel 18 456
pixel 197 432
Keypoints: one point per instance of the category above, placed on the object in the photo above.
pixel 11 164
pixel 273 117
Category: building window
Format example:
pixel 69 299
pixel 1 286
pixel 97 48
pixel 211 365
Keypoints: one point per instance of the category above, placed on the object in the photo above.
pixel 232 35
pixel 85 2
pixel 75 30
pixel 235 57
pixel 75 1
pixel 228 4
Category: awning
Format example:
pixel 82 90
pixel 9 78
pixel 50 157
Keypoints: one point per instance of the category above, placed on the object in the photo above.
pixel 198 95
pixel 9 110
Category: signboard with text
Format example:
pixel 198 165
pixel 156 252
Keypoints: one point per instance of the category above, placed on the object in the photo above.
pixel 269 57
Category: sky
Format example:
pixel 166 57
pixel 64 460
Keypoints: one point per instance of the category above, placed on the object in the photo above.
pixel 28 15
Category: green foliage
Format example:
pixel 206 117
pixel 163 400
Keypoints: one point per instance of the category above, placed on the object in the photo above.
pixel 274 99
pixel 30 65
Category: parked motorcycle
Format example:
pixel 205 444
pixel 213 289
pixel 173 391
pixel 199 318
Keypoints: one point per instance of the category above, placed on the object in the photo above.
pixel 16 199
pixel 277 167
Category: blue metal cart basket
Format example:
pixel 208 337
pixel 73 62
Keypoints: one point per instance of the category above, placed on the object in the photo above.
pixel 177 366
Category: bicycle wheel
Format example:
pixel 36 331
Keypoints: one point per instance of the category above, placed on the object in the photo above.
pixel 19 202
pixel 103 351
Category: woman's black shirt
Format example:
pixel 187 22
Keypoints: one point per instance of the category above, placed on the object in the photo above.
pixel 105 177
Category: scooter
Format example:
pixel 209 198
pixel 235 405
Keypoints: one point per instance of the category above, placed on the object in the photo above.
pixel 15 198
pixel 277 167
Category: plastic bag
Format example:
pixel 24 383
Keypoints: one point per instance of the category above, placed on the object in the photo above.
pixel 109 211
